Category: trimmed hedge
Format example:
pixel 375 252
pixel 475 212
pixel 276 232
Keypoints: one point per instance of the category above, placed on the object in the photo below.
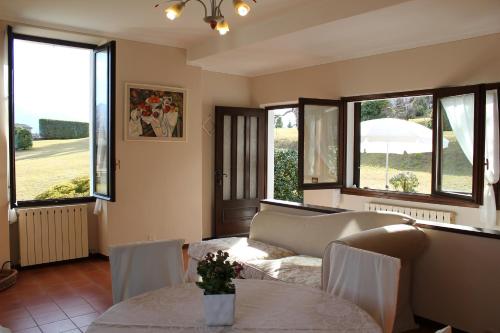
pixel 22 138
pixel 286 179
pixel 61 129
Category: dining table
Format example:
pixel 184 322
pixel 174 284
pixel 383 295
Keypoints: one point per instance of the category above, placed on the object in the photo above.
pixel 261 306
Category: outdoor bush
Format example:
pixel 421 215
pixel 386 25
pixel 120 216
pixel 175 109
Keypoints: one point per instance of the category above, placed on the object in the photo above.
pixel 22 138
pixel 77 187
pixel 286 180
pixel 427 122
pixel 404 181
pixel 61 129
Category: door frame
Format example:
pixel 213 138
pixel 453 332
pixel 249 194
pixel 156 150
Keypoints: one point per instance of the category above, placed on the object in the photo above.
pixel 261 168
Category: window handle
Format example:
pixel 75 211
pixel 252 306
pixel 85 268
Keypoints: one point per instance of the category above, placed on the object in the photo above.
pixel 487 164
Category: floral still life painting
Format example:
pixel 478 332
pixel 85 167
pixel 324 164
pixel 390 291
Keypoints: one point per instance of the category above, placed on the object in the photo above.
pixel 155 113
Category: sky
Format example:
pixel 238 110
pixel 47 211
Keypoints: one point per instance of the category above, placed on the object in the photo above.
pixel 51 82
pixel 289 117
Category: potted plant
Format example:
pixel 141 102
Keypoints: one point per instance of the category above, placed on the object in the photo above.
pixel 217 274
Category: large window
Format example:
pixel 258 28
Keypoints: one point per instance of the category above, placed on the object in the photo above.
pixel 423 145
pixel 52 108
pixel 396 144
pixel 61 108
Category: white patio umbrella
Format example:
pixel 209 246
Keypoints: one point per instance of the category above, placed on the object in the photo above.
pixel 395 136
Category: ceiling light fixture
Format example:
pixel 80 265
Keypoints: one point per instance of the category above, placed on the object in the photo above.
pixel 213 15
pixel 241 7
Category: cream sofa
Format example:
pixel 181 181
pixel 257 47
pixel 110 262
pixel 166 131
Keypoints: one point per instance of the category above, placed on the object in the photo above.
pixel 289 247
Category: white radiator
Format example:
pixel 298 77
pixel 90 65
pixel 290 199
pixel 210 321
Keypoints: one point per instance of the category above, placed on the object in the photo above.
pixel 416 213
pixel 48 234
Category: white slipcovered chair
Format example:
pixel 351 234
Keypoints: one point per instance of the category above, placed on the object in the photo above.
pixel 368 279
pixel 140 267
pixel 373 269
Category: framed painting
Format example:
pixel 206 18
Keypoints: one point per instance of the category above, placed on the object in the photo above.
pixel 155 113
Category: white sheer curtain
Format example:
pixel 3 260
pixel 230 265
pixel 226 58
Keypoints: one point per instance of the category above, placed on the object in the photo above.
pixel 320 143
pixel 492 154
pixel 460 112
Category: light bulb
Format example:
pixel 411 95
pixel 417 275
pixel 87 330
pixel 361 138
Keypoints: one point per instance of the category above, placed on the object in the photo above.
pixel 222 27
pixel 174 11
pixel 241 7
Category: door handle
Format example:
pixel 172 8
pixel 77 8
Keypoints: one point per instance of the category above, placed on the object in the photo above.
pixel 219 177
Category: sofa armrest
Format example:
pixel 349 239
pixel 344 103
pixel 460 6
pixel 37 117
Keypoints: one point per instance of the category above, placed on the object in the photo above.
pixel 400 241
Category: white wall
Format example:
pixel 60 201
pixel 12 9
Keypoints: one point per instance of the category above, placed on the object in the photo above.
pixel 163 190
pixel 470 61
pixel 158 184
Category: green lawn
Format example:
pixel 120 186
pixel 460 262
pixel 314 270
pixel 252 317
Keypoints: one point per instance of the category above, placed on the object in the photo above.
pixel 286 138
pixel 48 163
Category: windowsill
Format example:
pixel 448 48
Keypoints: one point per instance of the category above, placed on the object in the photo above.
pixel 459 229
pixel 52 202
pixel 303 206
pixel 454 228
pixel 427 198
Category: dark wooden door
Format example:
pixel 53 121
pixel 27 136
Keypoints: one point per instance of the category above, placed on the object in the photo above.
pixel 240 173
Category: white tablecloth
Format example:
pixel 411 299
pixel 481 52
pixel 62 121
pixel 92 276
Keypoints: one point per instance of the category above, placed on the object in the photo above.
pixel 261 306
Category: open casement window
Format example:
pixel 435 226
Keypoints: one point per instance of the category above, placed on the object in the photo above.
pixel 58 157
pixel 459 121
pixel 320 144
pixel 103 145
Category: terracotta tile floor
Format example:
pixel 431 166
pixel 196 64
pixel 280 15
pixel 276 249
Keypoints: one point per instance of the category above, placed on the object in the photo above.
pixel 58 298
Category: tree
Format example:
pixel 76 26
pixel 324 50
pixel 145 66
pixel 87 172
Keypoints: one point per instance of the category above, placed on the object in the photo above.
pixel 422 106
pixel 374 109
pixel 289 125
pixel 286 179
pixel 22 138
pixel 278 123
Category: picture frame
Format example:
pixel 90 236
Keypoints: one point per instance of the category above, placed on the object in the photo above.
pixel 155 113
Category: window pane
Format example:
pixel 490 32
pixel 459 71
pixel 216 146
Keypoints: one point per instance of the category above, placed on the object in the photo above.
pixel 254 146
pixel 226 173
pixel 240 157
pixel 101 184
pixel 396 144
pixel 286 136
pixel 52 107
pixel 320 144
pixel 457 119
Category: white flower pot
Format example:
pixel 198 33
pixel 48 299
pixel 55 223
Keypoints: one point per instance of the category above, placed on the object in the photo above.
pixel 219 309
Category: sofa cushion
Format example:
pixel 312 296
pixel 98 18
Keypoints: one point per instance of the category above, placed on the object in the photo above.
pixel 240 249
pixel 300 269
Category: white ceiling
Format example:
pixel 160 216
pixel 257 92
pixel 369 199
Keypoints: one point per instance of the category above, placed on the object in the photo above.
pixel 277 35
pixel 134 19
